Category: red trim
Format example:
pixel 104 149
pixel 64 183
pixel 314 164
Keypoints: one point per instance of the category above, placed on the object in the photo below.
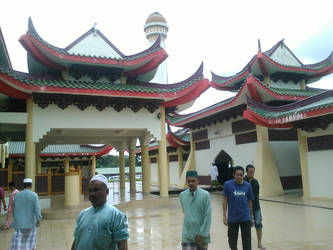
pixel 284 122
pixel 251 116
pixel 29 45
pixel 261 58
pixel 12 92
pixel 250 83
pixel 201 86
pixel 291 68
pixel 262 64
pixel 159 57
pixel 49 89
pixel 94 60
pixel 223 86
pixel 175 141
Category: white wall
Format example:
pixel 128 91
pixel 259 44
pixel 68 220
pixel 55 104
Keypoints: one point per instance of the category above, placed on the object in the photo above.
pixel 221 138
pixel 174 176
pixel 286 156
pixel 320 173
pixel 154 173
pixel 71 117
pixel 241 154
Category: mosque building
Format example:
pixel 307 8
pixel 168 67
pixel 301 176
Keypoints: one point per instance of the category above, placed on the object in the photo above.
pixel 92 93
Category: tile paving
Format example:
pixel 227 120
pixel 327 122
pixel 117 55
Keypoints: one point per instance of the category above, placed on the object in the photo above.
pixel 156 223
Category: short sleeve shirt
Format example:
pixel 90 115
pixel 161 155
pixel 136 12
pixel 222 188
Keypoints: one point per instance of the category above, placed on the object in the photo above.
pixel 100 228
pixel 238 197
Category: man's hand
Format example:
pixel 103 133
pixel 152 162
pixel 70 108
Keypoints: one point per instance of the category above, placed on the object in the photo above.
pixel 252 222
pixel 198 240
pixel 4 207
pixel 38 223
pixel 225 221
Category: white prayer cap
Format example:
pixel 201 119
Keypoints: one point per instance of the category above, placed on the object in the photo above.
pixel 101 178
pixel 27 180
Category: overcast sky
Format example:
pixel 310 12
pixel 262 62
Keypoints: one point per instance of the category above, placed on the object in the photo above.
pixel 222 34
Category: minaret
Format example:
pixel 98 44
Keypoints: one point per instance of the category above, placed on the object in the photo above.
pixel 155 26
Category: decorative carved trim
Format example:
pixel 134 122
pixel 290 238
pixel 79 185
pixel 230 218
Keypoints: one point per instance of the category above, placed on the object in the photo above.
pixel 99 102
pixel 202 145
pixel 320 143
pixel 200 135
pixel 246 138
pixel 217 117
pixel 311 124
pixel 242 126
pixel 282 135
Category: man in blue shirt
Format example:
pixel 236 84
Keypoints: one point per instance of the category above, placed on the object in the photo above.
pixel 197 211
pixel 237 199
pixel 100 226
pixel 27 217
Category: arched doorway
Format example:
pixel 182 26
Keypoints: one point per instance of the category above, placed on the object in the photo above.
pixel 224 165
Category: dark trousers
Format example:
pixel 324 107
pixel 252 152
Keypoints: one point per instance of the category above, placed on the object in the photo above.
pixel 233 234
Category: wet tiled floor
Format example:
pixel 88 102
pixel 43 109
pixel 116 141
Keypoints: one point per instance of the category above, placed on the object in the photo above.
pixel 156 223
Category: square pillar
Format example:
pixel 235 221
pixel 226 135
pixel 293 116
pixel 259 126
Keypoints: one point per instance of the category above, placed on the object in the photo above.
pixel 30 146
pixel 303 156
pixel 266 169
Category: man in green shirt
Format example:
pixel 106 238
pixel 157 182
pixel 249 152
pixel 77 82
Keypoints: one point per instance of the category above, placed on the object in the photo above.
pixel 197 211
pixel 100 226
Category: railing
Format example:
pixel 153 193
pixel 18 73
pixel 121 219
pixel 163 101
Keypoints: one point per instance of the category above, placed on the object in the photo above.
pixel 45 184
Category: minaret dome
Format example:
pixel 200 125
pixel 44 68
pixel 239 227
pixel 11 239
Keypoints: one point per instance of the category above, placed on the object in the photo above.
pixel 155 26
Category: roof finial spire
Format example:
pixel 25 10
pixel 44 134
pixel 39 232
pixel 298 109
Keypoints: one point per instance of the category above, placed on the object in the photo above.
pixel 259 45
pixel 94 28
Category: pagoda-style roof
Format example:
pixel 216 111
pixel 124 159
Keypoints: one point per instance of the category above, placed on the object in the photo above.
pixel 23 85
pixel 4 56
pixel 279 63
pixel 290 115
pixel 93 49
pixel 17 149
pixel 253 88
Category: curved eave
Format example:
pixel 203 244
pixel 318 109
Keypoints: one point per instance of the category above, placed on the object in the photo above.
pixel 4 52
pixel 133 65
pixel 310 72
pixel 175 141
pixel 267 66
pixel 194 91
pixel 19 89
pixel 287 114
pixel 251 87
pixel 102 152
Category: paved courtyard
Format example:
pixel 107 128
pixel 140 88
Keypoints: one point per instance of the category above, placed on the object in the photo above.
pixel 156 223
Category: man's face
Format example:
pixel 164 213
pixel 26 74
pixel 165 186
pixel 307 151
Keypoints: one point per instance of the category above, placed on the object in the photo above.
pixel 97 193
pixel 239 175
pixel 250 173
pixel 12 188
pixel 192 183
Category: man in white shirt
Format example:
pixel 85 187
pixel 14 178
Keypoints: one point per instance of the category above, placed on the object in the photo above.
pixel 213 173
